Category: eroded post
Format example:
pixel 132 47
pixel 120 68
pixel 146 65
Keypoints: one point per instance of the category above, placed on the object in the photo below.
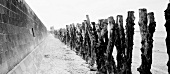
pixel 84 42
pixel 167 26
pixel 93 46
pixel 87 41
pixel 143 31
pixel 67 35
pixel 129 41
pixel 147 41
pixel 151 30
pixel 92 35
pixel 120 42
pixel 110 63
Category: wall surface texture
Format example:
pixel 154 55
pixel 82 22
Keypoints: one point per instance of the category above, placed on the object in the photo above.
pixel 21 31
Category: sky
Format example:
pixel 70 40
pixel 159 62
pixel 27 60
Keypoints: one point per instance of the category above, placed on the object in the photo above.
pixel 59 13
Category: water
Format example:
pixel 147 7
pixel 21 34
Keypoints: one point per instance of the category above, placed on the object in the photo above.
pixel 160 56
pixel 159 41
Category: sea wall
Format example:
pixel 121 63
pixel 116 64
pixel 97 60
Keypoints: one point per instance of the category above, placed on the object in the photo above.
pixel 21 33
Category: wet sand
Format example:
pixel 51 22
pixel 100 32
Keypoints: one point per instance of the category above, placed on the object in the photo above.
pixel 59 59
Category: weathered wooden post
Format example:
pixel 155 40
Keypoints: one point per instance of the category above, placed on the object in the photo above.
pixel 92 35
pixel 81 40
pixel 147 41
pixel 151 30
pixel 101 45
pixel 83 43
pixel 67 35
pixel 87 41
pixel 93 47
pixel 120 41
pixel 98 47
pixel 167 26
pixel 71 37
pixel 143 31
pixel 78 39
pixel 129 41
pixel 110 63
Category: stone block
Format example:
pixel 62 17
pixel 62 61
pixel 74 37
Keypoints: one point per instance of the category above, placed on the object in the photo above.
pixel 3 57
pixel 10 20
pixel 2 38
pixel 7 55
pixel 14 2
pixel 10 29
pixel 2 10
pixel 5 47
pixel 3 2
pixel 0 58
pixel 13 8
pixel 1 18
pixel 3 28
pixel 5 18
pixel 8 37
pixel 8 5
pixel 1 49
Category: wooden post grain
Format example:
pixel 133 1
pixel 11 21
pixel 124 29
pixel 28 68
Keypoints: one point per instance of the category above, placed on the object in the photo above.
pixel 129 41
pixel 147 41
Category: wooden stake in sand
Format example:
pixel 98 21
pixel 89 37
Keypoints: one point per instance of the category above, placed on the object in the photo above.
pixel 167 26
pixel 120 41
pixel 110 63
pixel 129 41
pixel 147 41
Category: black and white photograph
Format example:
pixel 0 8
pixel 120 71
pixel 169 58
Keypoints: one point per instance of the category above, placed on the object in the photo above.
pixel 84 37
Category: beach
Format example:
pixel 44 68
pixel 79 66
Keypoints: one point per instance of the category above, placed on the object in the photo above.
pixel 59 59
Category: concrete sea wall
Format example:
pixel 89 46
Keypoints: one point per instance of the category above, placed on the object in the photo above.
pixel 21 35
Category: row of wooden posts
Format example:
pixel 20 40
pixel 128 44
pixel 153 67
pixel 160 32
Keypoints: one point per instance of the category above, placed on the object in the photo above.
pixel 95 41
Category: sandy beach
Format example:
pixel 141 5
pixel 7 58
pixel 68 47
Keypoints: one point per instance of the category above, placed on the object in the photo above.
pixel 59 59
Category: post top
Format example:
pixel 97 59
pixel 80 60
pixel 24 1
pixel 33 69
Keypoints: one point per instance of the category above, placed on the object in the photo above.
pixel 150 13
pixel 168 8
pixel 143 9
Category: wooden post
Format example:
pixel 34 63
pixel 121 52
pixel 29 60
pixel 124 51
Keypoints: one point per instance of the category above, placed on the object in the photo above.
pixel 67 35
pixel 167 26
pixel 110 63
pixel 143 31
pixel 147 41
pixel 151 30
pixel 91 39
pixel 120 41
pixel 92 35
pixel 93 47
pixel 83 43
pixel 87 41
pixel 129 41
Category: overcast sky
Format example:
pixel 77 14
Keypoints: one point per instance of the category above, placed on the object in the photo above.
pixel 59 13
